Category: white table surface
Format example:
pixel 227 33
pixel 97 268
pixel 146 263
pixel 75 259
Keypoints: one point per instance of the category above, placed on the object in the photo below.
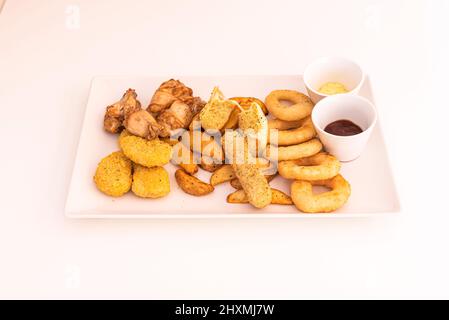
pixel 49 52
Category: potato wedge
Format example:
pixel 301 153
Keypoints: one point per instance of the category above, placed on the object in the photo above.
pixel 277 197
pixel 192 185
pixel 184 158
pixel 235 183
pixel 238 196
pixel 245 102
pixel 190 168
pixel 222 174
pixel 208 164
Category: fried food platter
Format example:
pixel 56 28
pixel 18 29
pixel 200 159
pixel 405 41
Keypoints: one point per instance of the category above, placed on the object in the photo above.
pixel 372 184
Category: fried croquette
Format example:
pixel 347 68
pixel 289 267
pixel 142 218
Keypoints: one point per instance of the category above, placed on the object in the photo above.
pixel 148 153
pixel 217 111
pixel 254 183
pixel 114 175
pixel 150 182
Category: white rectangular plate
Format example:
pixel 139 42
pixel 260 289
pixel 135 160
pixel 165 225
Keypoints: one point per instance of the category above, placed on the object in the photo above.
pixel 373 190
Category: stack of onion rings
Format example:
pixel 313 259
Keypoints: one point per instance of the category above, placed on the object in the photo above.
pixel 318 167
pixel 304 199
pixel 301 108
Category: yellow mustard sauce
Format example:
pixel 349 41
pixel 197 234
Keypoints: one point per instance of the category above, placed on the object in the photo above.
pixel 331 88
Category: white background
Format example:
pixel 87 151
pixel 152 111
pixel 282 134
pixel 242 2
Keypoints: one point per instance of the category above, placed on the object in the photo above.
pixel 47 59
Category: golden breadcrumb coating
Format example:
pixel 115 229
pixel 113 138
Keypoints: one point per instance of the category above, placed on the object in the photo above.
pixel 148 153
pixel 114 175
pixel 217 111
pixel 150 182
pixel 124 133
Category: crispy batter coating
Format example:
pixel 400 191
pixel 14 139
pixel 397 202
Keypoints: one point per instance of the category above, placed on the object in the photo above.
pixel 150 182
pixel 308 202
pixel 318 167
pixel 298 151
pixel 283 125
pixel 253 122
pixel 148 153
pixel 114 175
pixel 235 183
pixel 217 111
pixel 254 183
pixel 301 108
pixel 304 132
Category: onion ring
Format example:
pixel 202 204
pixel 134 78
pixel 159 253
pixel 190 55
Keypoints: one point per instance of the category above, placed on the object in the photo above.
pixel 305 132
pixel 306 201
pixel 301 108
pixel 298 151
pixel 283 125
pixel 318 167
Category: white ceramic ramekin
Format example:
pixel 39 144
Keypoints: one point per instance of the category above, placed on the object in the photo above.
pixel 344 107
pixel 332 69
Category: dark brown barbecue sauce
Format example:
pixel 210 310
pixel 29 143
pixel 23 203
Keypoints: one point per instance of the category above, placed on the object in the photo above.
pixel 343 128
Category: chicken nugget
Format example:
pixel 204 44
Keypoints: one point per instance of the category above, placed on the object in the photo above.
pixel 148 153
pixel 124 133
pixel 114 175
pixel 150 182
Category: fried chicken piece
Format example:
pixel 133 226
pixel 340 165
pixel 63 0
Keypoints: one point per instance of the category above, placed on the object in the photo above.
pixel 175 104
pixel 112 124
pixel 167 93
pixel 179 115
pixel 196 105
pixel 119 111
pixel 143 124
